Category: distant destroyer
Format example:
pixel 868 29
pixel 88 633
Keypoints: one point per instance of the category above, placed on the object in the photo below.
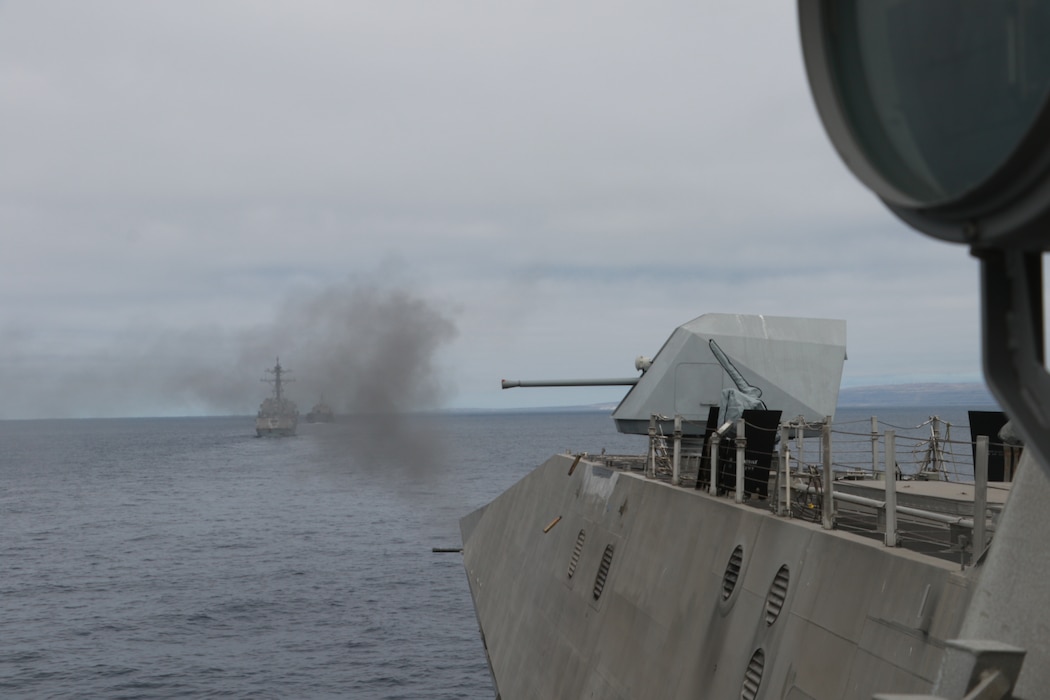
pixel 320 413
pixel 278 416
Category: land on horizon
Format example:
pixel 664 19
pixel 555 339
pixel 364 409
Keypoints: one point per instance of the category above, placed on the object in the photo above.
pixel 969 394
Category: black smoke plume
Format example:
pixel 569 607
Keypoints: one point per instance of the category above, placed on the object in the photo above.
pixel 365 350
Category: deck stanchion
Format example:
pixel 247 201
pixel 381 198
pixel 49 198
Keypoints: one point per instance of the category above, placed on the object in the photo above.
pixel 890 478
pixel 828 504
pixel 712 488
pixel 935 447
pixel 875 446
pixel 741 443
pixel 783 506
pixel 676 465
pixel 650 466
pixel 800 434
pixel 980 497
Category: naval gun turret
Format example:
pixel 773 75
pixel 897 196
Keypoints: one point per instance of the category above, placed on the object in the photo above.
pixel 732 362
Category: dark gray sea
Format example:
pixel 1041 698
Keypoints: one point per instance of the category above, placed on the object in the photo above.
pixel 184 557
pixel 160 558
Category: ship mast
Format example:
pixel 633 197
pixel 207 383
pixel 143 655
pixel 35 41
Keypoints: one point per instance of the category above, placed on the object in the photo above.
pixel 276 381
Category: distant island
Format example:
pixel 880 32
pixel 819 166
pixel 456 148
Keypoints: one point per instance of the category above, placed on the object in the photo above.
pixel 962 394
pixel 970 395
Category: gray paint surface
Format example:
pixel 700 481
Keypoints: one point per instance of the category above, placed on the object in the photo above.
pixel 793 365
pixel 857 617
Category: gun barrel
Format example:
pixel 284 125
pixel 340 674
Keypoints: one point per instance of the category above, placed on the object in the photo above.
pixel 623 381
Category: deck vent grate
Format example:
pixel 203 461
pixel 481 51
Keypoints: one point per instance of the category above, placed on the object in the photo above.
pixel 777 595
pixel 576 551
pixel 603 571
pixel 729 580
pixel 753 675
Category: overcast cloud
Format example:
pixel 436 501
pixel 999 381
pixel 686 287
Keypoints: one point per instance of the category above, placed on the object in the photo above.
pixel 511 189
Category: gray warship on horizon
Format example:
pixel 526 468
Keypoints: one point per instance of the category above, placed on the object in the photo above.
pixel 278 415
pixel 320 413
pixel 721 564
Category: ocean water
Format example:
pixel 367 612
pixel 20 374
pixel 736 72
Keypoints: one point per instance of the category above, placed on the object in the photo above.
pixel 159 558
pixel 162 558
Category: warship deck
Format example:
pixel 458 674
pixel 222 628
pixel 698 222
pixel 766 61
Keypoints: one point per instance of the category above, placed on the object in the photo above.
pixel 589 569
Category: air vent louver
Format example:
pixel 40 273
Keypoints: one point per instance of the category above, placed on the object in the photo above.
pixel 777 595
pixel 603 571
pixel 753 675
pixel 576 551
pixel 732 572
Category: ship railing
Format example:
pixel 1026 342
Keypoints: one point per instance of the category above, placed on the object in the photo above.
pixel 925 452
pixel 796 483
pixel 969 535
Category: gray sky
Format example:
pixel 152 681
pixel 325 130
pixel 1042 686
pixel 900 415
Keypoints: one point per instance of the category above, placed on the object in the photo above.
pixel 506 189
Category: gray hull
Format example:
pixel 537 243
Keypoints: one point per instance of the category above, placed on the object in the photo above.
pixel 271 432
pixel 644 590
pixel 276 427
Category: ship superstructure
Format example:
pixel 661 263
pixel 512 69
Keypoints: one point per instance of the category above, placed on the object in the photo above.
pixel 724 563
pixel 278 415
pixel 593 578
